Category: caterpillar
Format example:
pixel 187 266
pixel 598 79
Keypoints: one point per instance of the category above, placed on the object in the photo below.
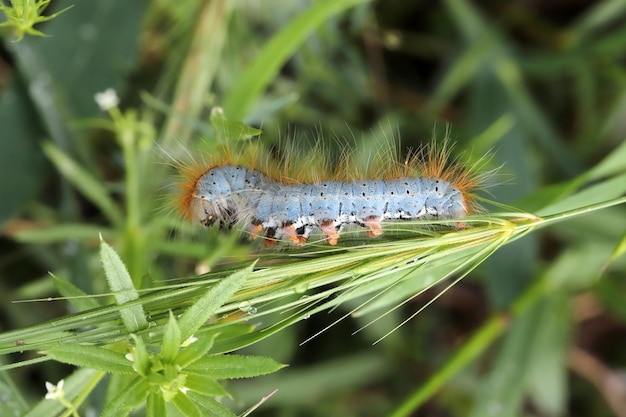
pixel 274 208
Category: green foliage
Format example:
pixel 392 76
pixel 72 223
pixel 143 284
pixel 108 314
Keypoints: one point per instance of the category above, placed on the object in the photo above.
pixel 182 363
pixel 152 318
pixel 23 15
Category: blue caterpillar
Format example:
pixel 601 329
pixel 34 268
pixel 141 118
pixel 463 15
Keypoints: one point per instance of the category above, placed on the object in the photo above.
pixel 231 194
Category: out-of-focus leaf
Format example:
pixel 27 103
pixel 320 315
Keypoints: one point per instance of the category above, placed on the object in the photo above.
pixel 12 404
pixel 275 53
pixel 537 337
pixel 23 167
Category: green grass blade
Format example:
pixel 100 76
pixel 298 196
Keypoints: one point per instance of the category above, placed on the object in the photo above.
pixel 273 56
pixel 82 179
pixel 206 306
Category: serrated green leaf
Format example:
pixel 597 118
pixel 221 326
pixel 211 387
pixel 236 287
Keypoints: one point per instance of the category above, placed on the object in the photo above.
pixel 171 340
pixel 205 385
pixel 206 306
pixel 75 295
pixel 186 406
pixel 210 406
pixel 91 357
pixel 234 366
pixel 122 287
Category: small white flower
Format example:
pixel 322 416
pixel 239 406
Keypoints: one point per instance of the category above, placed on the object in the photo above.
pixel 54 391
pixel 191 339
pixel 107 99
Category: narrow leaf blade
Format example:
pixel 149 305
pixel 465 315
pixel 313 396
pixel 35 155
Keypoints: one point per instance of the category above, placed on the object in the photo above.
pixel 122 286
pixel 206 306
pixel 234 366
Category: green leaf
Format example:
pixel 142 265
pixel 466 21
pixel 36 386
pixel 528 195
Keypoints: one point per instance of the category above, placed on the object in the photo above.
pixel 141 356
pixel 526 344
pixel 210 406
pixel 20 154
pixel 272 57
pixel 578 267
pixel 75 295
pixel 597 193
pixel 205 307
pixel 236 336
pixel 130 397
pixel 12 404
pixel 205 385
pixel 619 250
pixel 231 129
pixel 82 179
pixel 186 406
pixel 122 287
pixel 547 368
pixel 155 405
pixel 171 340
pixel 234 366
pixel 61 233
pixel 613 164
pixel 195 351
pixel 91 357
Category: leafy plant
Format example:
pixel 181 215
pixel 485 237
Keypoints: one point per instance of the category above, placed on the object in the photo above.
pixel 160 324
pixel 23 15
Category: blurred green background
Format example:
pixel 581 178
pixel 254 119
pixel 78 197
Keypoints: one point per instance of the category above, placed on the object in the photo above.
pixel 538 84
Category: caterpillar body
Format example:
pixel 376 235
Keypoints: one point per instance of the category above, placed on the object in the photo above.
pixel 227 193
pixel 231 193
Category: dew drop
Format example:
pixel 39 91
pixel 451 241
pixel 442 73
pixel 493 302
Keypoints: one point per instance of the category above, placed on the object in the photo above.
pixel 245 306
pixel 301 288
pixel 252 311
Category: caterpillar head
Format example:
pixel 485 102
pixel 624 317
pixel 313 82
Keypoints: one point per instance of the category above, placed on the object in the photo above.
pixel 207 211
